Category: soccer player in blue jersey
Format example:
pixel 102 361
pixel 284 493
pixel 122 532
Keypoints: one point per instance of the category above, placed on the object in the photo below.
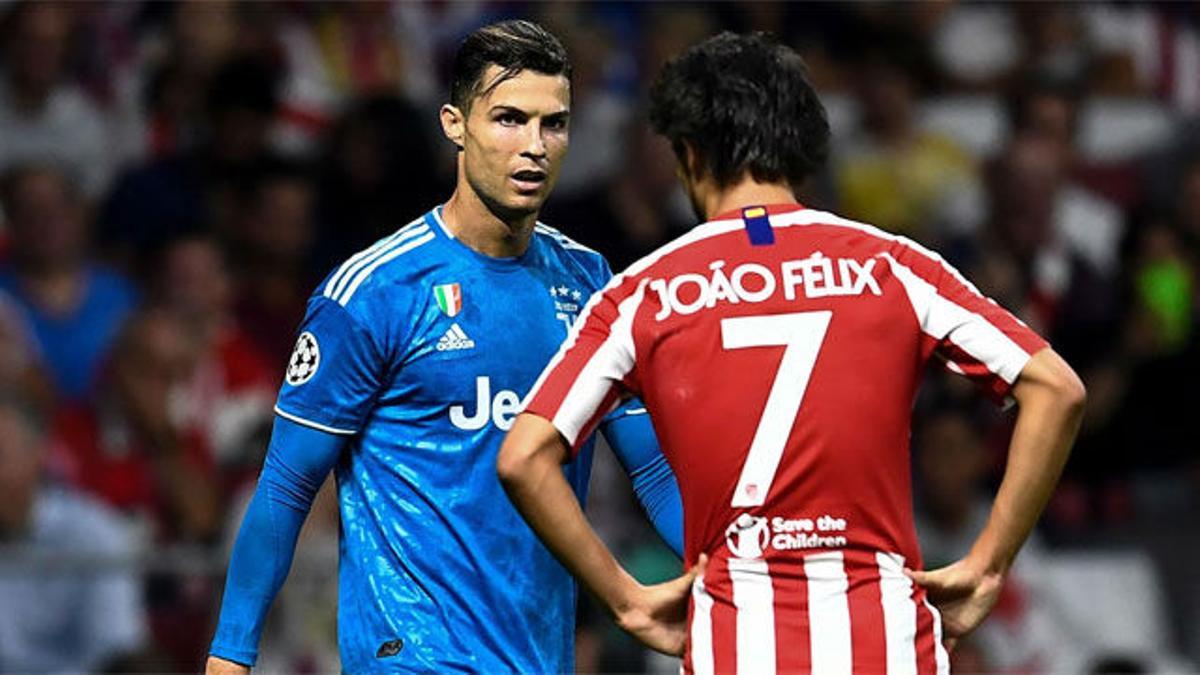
pixel 409 367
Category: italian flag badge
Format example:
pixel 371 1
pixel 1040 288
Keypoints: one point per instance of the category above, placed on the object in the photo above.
pixel 449 298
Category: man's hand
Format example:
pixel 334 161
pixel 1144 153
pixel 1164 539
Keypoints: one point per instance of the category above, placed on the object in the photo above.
pixel 219 666
pixel 658 616
pixel 963 593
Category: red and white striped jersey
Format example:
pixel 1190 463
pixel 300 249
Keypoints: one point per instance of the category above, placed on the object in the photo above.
pixel 778 351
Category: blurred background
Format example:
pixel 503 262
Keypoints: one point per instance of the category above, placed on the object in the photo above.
pixel 176 177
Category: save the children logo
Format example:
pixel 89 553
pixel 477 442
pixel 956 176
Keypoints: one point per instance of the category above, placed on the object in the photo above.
pixel 751 536
pixel 748 536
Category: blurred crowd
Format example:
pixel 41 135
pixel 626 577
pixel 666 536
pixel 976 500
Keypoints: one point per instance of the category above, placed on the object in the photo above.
pixel 176 177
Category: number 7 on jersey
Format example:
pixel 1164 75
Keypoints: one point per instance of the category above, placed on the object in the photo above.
pixel 801 334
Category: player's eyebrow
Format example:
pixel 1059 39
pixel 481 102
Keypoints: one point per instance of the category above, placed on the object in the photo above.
pixel 512 109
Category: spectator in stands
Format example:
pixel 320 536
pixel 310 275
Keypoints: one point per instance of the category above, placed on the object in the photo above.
pixel 199 37
pixel 134 449
pixel 227 396
pixel 892 172
pixel 20 360
pixel 273 252
pixel 45 119
pixel 976 45
pixel 380 165
pixel 1033 216
pixel 68 603
pixel 1055 41
pixel 1157 351
pixel 195 189
pixel 602 110
pixel 951 467
pixel 1086 223
pixel 1187 209
pixel 75 305
pixel 129 445
pixel 640 209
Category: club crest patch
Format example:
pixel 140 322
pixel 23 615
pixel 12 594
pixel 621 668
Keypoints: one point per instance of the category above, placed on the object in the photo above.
pixel 306 358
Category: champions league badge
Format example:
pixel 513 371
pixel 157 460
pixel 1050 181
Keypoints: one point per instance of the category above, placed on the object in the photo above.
pixel 306 358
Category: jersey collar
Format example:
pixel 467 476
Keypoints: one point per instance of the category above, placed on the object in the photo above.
pixel 503 264
pixel 772 210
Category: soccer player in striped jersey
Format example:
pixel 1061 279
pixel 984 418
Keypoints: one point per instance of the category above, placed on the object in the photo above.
pixel 409 368
pixel 778 349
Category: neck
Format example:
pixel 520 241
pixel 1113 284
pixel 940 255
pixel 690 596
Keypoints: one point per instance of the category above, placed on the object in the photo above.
pixel 46 271
pixel 746 192
pixel 54 285
pixel 477 225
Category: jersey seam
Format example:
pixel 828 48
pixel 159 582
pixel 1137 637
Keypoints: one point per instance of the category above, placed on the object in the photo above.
pixel 303 420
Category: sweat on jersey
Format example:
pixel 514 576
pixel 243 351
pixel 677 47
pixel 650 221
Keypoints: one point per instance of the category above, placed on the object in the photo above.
pixel 778 351
pixel 416 350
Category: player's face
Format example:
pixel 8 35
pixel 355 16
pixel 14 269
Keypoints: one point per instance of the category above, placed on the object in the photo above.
pixel 514 140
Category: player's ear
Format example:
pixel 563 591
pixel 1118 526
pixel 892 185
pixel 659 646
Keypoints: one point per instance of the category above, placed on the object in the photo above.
pixel 687 163
pixel 454 124
pixel 690 160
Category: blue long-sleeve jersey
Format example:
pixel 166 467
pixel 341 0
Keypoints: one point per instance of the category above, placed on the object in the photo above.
pixel 409 368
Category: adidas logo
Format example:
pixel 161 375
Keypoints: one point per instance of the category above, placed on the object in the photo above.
pixel 454 338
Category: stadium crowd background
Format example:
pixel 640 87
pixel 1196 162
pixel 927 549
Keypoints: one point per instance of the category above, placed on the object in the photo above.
pixel 177 177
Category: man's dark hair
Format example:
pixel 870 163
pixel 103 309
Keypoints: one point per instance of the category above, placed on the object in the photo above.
pixel 744 104
pixel 245 83
pixel 514 46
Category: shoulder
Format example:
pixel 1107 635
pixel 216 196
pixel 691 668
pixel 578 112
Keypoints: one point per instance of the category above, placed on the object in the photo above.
pixel 560 246
pixel 1085 205
pixel 899 251
pixel 69 105
pixel 114 287
pixel 710 238
pixel 381 270
pixel 873 239
pixel 555 238
pixel 65 515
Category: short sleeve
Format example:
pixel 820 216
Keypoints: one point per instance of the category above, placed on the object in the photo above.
pixel 973 334
pixel 334 373
pixel 587 378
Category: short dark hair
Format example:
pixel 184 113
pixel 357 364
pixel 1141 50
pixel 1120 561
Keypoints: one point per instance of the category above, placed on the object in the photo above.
pixel 744 104
pixel 245 83
pixel 514 46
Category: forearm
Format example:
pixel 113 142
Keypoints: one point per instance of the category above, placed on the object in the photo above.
pixel 658 494
pixel 1051 408
pixel 296 465
pixel 191 496
pixel 262 556
pixel 634 443
pixel 535 484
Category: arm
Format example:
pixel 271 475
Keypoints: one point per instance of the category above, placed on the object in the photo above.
pixel 632 438
pixel 530 469
pixel 1051 399
pixel 187 485
pixel 298 460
